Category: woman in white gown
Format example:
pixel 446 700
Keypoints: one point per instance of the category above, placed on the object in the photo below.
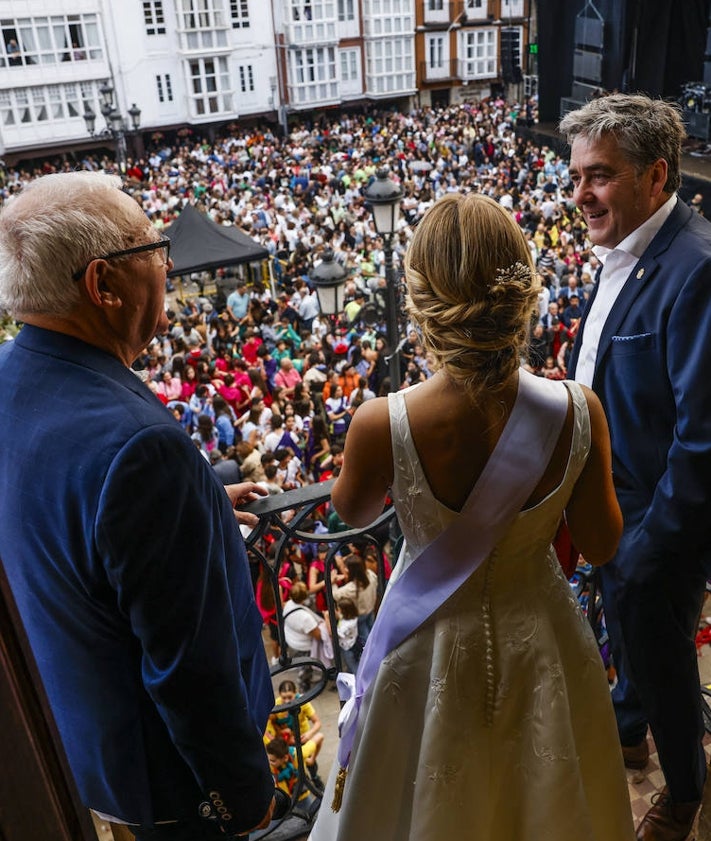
pixel 483 710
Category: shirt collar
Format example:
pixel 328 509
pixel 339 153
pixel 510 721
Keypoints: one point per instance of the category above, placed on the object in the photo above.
pixel 638 241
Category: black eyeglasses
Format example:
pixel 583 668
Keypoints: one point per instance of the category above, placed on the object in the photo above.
pixel 163 242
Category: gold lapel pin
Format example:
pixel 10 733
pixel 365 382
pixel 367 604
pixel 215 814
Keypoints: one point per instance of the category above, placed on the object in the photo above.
pixel 640 274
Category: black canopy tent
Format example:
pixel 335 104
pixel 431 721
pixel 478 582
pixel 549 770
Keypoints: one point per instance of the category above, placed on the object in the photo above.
pixel 198 244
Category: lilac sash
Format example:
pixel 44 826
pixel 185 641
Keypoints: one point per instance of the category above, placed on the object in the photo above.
pixel 515 467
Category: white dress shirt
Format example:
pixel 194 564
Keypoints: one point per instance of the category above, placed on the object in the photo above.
pixel 617 265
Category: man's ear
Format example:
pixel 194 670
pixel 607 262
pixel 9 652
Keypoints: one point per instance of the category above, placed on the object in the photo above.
pixel 660 170
pixel 98 284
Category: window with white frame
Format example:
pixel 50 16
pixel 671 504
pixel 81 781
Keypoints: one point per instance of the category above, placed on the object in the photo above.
pixel 49 40
pixel 435 5
pixel 388 17
pixel 153 17
pixel 239 14
pixel 164 86
pixel 211 92
pixel 390 65
pixel 203 24
pixel 314 74
pixel 512 8
pixel 435 52
pixel 202 14
pixel 45 103
pixel 346 10
pixel 475 8
pixel 478 54
pixel 7 112
pixel 349 65
pixel 246 78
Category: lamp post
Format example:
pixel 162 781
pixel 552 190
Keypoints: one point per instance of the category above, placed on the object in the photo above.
pixel 384 196
pixel 115 123
pixel 277 103
pixel 329 278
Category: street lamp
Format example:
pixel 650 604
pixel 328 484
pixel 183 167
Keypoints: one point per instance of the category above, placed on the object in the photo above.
pixel 329 278
pixel 115 123
pixel 384 196
pixel 276 105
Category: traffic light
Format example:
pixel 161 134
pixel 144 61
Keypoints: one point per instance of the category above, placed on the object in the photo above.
pixel 511 55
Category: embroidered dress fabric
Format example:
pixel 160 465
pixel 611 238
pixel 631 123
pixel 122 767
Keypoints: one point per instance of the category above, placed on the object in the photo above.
pixel 493 720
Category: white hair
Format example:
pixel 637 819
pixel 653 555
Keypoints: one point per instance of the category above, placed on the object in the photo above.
pixel 51 230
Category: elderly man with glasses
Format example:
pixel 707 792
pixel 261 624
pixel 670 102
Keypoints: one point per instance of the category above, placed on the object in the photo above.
pixel 120 544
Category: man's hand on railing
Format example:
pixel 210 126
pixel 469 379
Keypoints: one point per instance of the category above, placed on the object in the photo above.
pixel 242 493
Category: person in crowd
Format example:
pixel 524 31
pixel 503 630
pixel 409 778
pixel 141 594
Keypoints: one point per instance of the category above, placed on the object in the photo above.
pixel 250 461
pixel 316 578
pixel 225 420
pixel 338 414
pixel 225 465
pixel 123 613
pixel 238 305
pixel 271 482
pixel 169 387
pixel 318 446
pixel 206 436
pixel 287 377
pixel 189 383
pixel 304 631
pixel 361 587
pixel 348 638
pixel 282 725
pixel 643 348
pixel 289 473
pixel 200 404
pixel 284 763
pixel 504 454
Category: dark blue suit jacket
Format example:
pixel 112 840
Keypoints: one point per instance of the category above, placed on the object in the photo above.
pixel 132 580
pixel 653 376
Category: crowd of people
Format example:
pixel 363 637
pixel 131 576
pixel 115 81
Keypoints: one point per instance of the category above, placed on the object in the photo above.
pixel 259 370
pixel 301 195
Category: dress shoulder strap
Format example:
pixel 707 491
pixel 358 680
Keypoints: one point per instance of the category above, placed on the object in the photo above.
pixel 407 470
pixel 581 440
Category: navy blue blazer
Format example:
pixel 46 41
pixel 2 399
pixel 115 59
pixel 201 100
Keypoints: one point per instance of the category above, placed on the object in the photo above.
pixel 132 580
pixel 653 375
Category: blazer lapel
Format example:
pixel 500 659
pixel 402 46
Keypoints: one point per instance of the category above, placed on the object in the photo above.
pixel 637 280
pixel 639 277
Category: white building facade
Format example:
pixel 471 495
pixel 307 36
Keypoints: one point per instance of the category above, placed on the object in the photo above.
pixel 206 63
pixel 191 62
pixel 182 62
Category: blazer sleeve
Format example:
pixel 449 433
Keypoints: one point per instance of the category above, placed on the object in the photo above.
pixel 678 514
pixel 174 555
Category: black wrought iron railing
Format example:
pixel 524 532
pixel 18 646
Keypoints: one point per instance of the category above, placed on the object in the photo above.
pixel 287 535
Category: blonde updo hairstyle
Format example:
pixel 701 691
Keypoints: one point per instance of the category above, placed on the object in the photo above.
pixel 472 290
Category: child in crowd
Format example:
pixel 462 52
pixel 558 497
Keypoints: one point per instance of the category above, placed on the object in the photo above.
pixel 347 614
pixel 284 765
pixel 282 725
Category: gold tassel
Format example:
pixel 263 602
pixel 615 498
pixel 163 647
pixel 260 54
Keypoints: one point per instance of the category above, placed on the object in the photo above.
pixel 338 789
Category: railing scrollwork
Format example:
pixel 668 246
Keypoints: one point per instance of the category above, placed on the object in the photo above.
pixel 286 520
